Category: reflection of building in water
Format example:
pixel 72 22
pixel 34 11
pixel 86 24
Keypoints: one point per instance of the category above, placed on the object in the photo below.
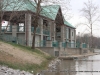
pixel 85 65
pixel 89 66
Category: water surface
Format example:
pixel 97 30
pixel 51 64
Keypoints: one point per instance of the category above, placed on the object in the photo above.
pixel 83 66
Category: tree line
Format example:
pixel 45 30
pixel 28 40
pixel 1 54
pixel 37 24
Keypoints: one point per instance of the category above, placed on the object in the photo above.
pixel 86 38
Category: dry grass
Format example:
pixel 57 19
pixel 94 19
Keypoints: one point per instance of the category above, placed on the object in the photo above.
pixel 5 57
pixel 19 54
pixel 23 58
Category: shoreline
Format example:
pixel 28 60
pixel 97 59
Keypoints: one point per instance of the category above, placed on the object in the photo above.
pixel 71 57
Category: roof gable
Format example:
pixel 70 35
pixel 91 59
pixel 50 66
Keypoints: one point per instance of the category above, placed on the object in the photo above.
pixel 59 18
pixel 50 11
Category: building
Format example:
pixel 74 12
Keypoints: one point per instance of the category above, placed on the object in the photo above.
pixel 52 25
pixel 52 31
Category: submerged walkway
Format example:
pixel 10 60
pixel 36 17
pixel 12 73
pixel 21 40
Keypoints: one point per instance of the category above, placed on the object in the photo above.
pixel 71 57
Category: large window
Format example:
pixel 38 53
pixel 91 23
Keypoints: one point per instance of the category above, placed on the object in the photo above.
pixel 21 27
pixel 6 27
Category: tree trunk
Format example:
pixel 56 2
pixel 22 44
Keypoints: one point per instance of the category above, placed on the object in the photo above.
pixel 91 37
pixel 0 28
pixel 36 22
pixel 33 42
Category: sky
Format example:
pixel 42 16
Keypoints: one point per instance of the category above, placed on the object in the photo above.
pixel 76 6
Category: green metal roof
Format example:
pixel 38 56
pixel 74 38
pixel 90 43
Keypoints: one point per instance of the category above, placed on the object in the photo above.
pixel 24 5
pixel 50 11
pixel 68 24
pixel 15 5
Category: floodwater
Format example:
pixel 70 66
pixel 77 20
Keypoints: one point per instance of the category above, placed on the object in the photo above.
pixel 83 66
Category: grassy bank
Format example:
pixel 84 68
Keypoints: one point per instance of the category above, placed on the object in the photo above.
pixel 13 62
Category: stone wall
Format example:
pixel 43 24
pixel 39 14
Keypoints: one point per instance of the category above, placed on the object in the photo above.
pixel 84 50
pixel 69 51
pixel 49 50
pixel 64 51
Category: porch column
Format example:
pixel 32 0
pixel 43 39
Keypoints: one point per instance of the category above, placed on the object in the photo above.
pixel 53 30
pixel 49 42
pixel 14 30
pixel 50 25
pixel 62 33
pixel 70 35
pixel 28 29
pixel 75 37
pixel 41 27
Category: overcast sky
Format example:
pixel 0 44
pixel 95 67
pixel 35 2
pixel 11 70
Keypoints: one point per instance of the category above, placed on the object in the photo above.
pixel 76 6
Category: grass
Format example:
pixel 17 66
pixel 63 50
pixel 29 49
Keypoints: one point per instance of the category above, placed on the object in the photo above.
pixel 27 67
pixel 25 48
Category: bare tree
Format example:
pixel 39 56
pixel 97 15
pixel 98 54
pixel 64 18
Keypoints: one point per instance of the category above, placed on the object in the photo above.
pixel 38 9
pixel 90 13
pixel 36 15
pixel 65 5
pixel 2 6
pixel 13 7
pixel 85 39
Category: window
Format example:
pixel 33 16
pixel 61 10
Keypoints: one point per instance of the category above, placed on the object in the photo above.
pixel 21 27
pixel 45 24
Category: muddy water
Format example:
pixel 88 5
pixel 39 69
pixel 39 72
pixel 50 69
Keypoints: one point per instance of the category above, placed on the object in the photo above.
pixel 83 66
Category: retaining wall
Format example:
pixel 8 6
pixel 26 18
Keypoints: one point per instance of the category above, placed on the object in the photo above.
pixel 64 51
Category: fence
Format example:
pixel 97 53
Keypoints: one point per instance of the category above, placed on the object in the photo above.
pixel 78 45
pixel 84 45
pixel 42 43
pixel 9 28
pixel 55 44
pixel 20 41
pixel 46 32
pixel 10 38
pixel 38 30
pixel 70 45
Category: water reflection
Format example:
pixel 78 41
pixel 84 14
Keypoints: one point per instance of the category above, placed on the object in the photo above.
pixel 82 66
pixel 89 66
